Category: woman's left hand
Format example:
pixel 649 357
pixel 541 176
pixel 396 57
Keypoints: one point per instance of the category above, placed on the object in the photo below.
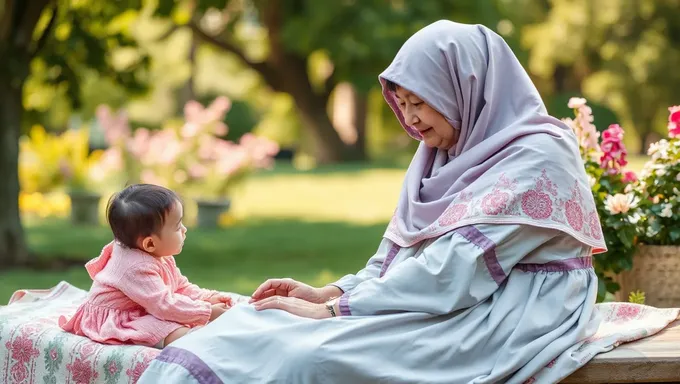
pixel 294 306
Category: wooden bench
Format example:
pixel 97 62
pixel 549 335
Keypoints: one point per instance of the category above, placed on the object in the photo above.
pixel 655 359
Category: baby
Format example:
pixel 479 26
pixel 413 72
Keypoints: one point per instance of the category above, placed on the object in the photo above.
pixel 138 294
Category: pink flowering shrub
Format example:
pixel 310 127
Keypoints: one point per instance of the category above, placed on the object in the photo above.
pixel 190 157
pixel 613 189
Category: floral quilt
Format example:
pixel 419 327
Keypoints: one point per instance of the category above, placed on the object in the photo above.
pixel 33 349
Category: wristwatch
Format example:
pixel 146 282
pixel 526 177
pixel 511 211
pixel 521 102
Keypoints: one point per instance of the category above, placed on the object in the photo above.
pixel 330 306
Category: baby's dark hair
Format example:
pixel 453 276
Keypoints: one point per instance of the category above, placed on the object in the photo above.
pixel 138 211
pixel 390 85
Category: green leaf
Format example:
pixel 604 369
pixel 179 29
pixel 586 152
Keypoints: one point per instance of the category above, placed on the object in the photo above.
pixel 674 234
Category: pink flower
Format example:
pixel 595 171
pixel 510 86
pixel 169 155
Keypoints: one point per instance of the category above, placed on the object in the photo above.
pixel 82 372
pixel 674 122
pixel 139 145
pixel 112 159
pixel 582 125
pixel 629 177
pixel 22 349
pixel 19 373
pixel 116 128
pixel 112 368
pixel 613 150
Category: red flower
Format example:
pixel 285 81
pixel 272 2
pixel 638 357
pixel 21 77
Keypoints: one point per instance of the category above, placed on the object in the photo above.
pixel 614 151
pixel 629 177
pixel 674 122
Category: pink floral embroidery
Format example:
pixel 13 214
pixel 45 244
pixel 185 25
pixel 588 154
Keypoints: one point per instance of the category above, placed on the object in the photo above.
pixel 627 312
pixel 536 205
pixel 453 214
pixel 135 373
pixel 573 209
pixel 81 371
pixel 551 364
pixel 53 354
pixel 530 380
pixel 495 202
pixel 87 350
pixel 504 182
pixel 22 349
pixel 594 224
pixel 112 368
pixel 19 373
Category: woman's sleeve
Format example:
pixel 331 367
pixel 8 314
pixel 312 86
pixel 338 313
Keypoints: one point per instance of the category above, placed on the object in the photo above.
pixel 372 269
pixel 457 271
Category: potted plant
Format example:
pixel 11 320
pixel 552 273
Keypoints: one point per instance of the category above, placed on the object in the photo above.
pixel 656 270
pixel 612 189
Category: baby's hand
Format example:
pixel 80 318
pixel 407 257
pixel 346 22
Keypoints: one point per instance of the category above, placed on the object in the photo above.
pixel 221 298
pixel 217 310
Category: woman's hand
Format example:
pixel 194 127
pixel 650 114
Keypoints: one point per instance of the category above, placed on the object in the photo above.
pixel 291 288
pixel 294 306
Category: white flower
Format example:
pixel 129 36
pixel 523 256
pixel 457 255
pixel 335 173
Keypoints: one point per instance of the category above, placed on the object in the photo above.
pixel 633 219
pixel 620 203
pixel 591 181
pixel 576 102
pixel 677 177
pixel 661 146
pixel 667 210
pixel 676 190
pixel 660 172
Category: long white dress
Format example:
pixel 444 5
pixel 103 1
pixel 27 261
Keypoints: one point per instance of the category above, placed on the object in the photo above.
pixel 481 304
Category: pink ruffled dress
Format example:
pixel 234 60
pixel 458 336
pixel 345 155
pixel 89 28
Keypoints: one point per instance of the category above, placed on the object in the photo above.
pixel 138 299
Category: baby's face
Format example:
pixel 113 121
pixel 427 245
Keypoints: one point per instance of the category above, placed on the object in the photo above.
pixel 432 125
pixel 170 240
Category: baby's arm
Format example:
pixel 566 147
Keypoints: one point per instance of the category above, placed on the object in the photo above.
pixel 193 291
pixel 143 284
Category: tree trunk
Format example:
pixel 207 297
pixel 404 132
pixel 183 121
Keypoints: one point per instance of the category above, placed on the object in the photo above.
pixel 13 249
pixel 312 108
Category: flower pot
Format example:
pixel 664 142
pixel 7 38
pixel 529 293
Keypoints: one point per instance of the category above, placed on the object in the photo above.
pixel 84 208
pixel 656 272
pixel 209 212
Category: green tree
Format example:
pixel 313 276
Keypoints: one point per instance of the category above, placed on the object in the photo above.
pixel 68 37
pixel 355 39
pixel 620 53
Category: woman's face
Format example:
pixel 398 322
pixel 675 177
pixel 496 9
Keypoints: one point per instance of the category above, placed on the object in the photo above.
pixel 432 125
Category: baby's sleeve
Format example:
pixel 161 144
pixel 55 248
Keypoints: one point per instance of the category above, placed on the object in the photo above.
pixel 143 283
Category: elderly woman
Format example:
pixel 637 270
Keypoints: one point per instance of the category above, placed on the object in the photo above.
pixel 484 274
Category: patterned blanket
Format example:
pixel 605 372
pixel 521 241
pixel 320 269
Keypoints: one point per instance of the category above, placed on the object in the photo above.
pixel 33 349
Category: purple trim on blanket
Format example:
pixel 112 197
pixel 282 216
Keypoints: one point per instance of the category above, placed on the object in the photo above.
pixel 192 363
pixel 388 260
pixel 344 305
pixel 565 265
pixel 477 238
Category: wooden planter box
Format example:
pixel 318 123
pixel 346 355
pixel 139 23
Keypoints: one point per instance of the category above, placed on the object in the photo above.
pixel 656 272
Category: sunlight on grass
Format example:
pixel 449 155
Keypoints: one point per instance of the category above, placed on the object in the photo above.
pixel 363 197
